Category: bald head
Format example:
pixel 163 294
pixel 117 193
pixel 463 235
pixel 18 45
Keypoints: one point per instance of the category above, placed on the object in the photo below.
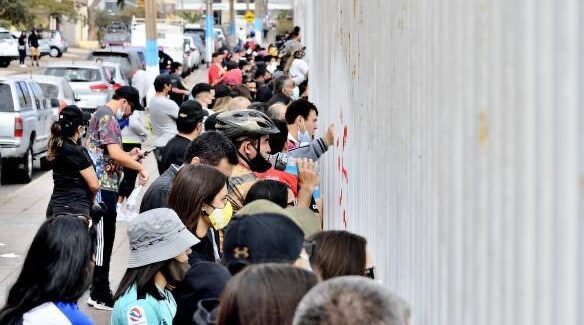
pixel 239 103
pixel 277 111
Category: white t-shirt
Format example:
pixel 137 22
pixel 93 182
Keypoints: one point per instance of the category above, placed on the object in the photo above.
pixel 163 114
pixel 141 80
pixel 47 314
pixel 298 71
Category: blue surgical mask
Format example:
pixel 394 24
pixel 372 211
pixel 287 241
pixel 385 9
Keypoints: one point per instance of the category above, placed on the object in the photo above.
pixel 303 136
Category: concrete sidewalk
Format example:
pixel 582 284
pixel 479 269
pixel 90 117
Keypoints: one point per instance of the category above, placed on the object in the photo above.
pixel 22 211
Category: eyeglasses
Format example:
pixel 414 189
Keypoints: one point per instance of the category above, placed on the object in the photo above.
pixel 370 272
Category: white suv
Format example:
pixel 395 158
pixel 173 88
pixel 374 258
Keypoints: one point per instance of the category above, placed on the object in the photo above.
pixel 8 48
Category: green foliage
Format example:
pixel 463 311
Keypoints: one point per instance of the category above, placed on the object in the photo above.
pixel 190 17
pixel 15 13
pixel 28 13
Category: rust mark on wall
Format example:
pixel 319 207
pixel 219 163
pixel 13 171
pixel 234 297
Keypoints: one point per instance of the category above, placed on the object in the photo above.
pixel 483 129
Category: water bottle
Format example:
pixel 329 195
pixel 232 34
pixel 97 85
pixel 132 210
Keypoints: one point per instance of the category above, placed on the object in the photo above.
pixel 316 193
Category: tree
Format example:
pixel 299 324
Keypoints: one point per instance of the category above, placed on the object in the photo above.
pixel 15 13
pixel 92 13
pixel 190 16
pixel 54 8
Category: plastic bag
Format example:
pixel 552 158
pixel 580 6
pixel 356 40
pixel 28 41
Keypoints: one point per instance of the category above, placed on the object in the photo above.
pixel 128 211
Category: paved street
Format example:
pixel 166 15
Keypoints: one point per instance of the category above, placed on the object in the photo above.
pixel 23 211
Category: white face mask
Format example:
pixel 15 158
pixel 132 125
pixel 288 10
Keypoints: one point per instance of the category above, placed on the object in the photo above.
pixel 295 93
pixel 120 114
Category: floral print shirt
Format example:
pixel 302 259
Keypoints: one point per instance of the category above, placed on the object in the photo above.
pixel 103 130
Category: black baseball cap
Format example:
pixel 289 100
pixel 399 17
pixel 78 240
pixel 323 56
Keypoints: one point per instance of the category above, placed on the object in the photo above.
pixel 72 117
pixel 261 238
pixel 131 95
pixel 191 110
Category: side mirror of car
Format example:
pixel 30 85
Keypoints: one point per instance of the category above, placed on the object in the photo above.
pixel 55 103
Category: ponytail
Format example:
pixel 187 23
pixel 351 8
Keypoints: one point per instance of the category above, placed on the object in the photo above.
pixel 55 141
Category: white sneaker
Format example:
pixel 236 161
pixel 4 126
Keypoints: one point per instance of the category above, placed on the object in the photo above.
pixel 98 304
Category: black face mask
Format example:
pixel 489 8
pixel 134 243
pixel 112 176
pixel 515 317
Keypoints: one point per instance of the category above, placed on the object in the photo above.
pixel 174 272
pixel 258 164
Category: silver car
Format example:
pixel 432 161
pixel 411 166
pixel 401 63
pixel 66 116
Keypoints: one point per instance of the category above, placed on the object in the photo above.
pixel 54 88
pixel 90 81
pixel 118 79
pixel 57 43
pixel 26 116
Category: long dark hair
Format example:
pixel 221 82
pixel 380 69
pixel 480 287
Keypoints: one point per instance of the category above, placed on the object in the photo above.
pixel 264 294
pixel 193 186
pixel 58 267
pixel 338 253
pixel 58 135
pixel 143 277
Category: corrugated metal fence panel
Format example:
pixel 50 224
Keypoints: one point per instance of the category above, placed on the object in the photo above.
pixel 459 150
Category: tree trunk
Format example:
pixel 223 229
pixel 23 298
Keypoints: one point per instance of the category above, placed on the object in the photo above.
pixel 91 13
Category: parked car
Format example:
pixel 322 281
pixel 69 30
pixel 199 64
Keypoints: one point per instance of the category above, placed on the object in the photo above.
pixel 219 35
pixel 192 56
pixel 115 39
pixel 200 44
pixel 89 80
pixel 118 79
pixel 8 48
pixel 195 29
pixel 25 126
pixel 57 43
pixel 44 46
pixel 129 59
pixel 54 88
pixel 220 39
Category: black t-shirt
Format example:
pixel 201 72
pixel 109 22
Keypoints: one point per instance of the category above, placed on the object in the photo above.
pixel 156 195
pixel 70 187
pixel 33 40
pixel 176 82
pixel 203 250
pixel 174 152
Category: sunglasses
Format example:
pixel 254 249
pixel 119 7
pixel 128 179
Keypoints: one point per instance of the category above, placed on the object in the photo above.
pixel 370 272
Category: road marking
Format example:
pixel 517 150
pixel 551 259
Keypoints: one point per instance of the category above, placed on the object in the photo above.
pixel 10 255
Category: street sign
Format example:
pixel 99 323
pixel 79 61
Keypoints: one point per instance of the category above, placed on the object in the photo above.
pixel 249 17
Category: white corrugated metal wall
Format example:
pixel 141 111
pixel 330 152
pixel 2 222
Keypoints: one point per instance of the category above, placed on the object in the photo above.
pixel 460 154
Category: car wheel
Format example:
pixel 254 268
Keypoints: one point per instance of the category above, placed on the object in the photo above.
pixel 27 166
pixel 4 173
pixel 55 52
pixel 4 63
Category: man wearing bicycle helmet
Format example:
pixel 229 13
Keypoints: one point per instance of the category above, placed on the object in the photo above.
pixel 249 130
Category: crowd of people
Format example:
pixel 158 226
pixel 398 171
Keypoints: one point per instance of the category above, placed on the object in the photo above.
pixel 230 232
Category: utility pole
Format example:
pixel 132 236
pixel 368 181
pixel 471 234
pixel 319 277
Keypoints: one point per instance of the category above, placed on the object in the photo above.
pixel 209 32
pixel 261 11
pixel 151 11
pixel 232 29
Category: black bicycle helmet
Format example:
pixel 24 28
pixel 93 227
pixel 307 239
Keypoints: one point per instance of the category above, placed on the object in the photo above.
pixel 247 123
